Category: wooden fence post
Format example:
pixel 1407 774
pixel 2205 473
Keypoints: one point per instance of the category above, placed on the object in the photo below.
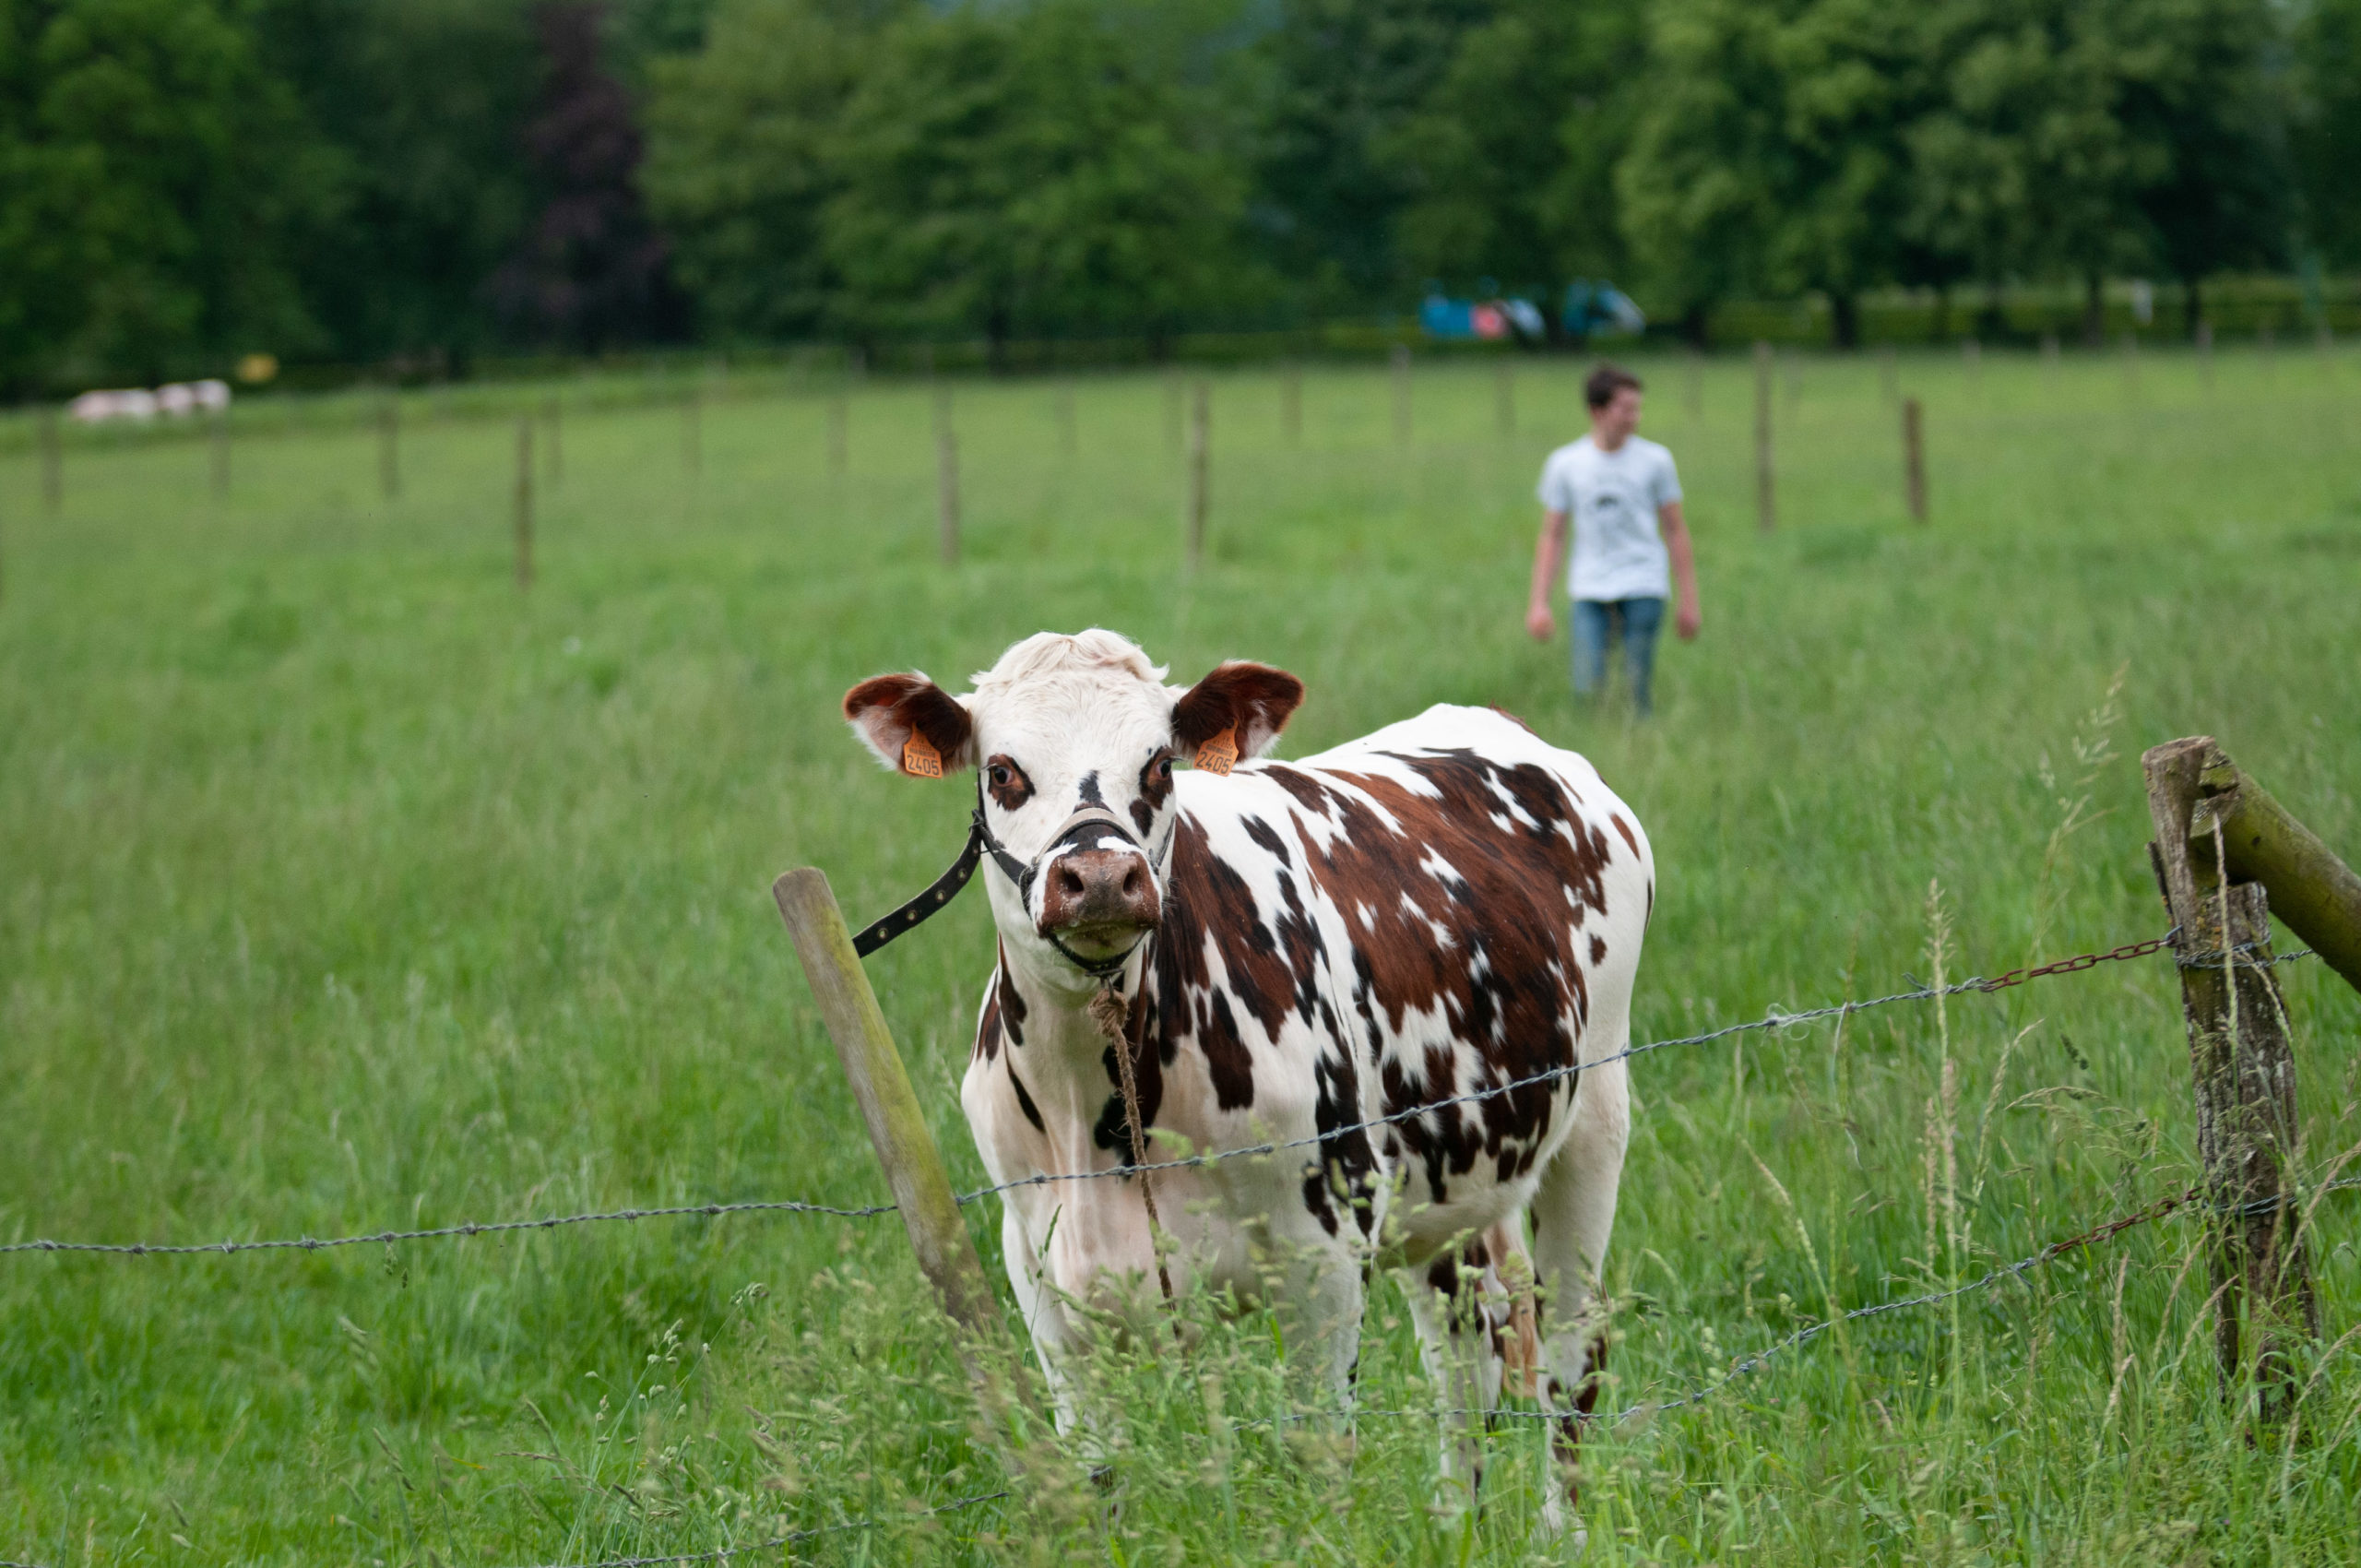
pixel 1765 504
pixel 1200 450
pixel 1504 399
pixel 217 441
pixel 1913 458
pixel 389 472
pixel 692 430
pixel 881 1087
pixel 1400 358
pixel 2314 893
pixel 2205 355
pixel 524 503
pixel 2245 1074
pixel 1291 403
pixel 53 463
pixel 946 479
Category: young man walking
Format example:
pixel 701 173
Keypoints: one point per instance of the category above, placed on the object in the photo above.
pixel 1630 544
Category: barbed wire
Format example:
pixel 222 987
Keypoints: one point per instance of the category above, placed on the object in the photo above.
pixel 1774 1019
pixel 719 1554
pixel 440 1232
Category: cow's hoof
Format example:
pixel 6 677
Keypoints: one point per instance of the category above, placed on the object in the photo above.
pixel 1103 1476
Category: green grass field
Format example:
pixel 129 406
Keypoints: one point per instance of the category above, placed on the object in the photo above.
pixel 343 887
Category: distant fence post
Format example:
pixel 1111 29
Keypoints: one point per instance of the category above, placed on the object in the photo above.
pixel 1200 450
pixel 2243 1065
pixel 1172 411
pixel 1765 505
pixel 946 479
pixel 839 433
pixel 1889 382
pixel 554 416
pixel 880 1087
pixel 217 441
pixel 1400 358
pixel 2205 354
pixel 1067 442
pixel 53 463
pixel 2049 351
pixel 524 503
pixel 1693 385
pixel 1291 403
pixel 1504 397
pixel 389 472
pixel 692 430
pixel 1914 459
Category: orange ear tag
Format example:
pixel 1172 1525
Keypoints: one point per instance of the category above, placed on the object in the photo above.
pixel 1218 754
pixel 920 759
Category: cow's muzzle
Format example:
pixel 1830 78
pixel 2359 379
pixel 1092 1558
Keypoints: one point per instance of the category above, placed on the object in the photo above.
pixel 1099 901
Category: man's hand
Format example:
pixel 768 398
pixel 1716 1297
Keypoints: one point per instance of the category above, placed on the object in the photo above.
pixel 1541 623
pixel 1687 621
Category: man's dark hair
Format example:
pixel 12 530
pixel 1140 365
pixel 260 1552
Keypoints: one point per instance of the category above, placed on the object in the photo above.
pixel 1607 381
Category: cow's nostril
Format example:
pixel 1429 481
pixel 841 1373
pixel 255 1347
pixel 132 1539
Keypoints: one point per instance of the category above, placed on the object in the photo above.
pixel 1132 883
pixel 1068 882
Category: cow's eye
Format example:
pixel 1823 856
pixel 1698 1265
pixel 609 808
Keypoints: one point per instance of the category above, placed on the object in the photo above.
pixel 1164 768
pixel 1001 777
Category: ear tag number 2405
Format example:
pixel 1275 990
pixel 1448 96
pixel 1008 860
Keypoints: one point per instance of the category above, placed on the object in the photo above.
pixel 920 759
pixel 1218 754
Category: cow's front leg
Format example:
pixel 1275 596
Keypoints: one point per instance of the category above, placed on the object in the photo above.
pixel 1046 1319
pixel 1463 1312
pixel 1573 1212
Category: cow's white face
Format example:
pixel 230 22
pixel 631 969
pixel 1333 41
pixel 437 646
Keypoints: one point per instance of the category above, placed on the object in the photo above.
pixel 1069 725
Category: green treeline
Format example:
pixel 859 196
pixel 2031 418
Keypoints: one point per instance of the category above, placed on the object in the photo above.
pixel 417 180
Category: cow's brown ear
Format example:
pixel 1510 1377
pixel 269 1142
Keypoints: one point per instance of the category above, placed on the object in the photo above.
pixel 913 725
pixel 1251 701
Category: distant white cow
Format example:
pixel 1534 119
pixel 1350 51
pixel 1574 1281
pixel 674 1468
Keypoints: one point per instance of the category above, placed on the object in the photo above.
pixel 179 399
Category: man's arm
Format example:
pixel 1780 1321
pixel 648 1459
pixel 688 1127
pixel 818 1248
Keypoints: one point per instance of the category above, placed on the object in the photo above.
pixel 1547 551
pixel 1686 616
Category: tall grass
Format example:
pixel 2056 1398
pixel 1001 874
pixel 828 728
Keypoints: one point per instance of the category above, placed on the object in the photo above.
pixel 343 887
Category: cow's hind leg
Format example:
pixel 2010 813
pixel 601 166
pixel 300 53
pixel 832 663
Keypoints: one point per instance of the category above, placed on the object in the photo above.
pixel 1463 1312
pixel 1572 1213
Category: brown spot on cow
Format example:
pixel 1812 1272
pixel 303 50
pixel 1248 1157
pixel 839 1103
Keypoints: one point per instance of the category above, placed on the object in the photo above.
pixel 1597 949
pixel 1625 828
pixel 1023 1101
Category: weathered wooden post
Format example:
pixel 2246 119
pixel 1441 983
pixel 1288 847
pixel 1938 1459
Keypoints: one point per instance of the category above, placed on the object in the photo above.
pixel 524 503
pixel 1914 459
pixel 389 472
pixel 946 479
pixel 880 1087
pixel 53 463
pixel 1765 505
pixel 2314 893
pixel 2205 355
pixel 217 441
pixel 1199 451
pixel 1504 399
pixel 2243 1068
pixel 1400 358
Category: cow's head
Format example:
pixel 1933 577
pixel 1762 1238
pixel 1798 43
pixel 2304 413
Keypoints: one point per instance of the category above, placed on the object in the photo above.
pixel 1067 733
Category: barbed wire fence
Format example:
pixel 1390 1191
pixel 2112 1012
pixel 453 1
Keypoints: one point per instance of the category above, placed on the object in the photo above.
pixel 1739 1368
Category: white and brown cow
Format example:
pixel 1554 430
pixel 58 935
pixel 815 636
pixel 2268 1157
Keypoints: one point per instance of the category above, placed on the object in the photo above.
pixel 1441 907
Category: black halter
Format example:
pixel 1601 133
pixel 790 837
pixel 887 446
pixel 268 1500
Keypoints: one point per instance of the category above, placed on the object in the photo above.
pixel 982 841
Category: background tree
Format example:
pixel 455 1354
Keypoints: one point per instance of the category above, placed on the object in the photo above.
pixel 741 160
pixel 154 180
pixel 1510 158
pixel 592 268
pixel 2326 133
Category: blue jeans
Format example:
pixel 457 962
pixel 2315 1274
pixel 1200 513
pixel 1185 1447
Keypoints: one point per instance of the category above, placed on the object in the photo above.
pixel 1593 625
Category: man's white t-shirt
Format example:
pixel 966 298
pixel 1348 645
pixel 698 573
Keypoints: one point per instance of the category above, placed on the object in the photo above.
pixel 1613 497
